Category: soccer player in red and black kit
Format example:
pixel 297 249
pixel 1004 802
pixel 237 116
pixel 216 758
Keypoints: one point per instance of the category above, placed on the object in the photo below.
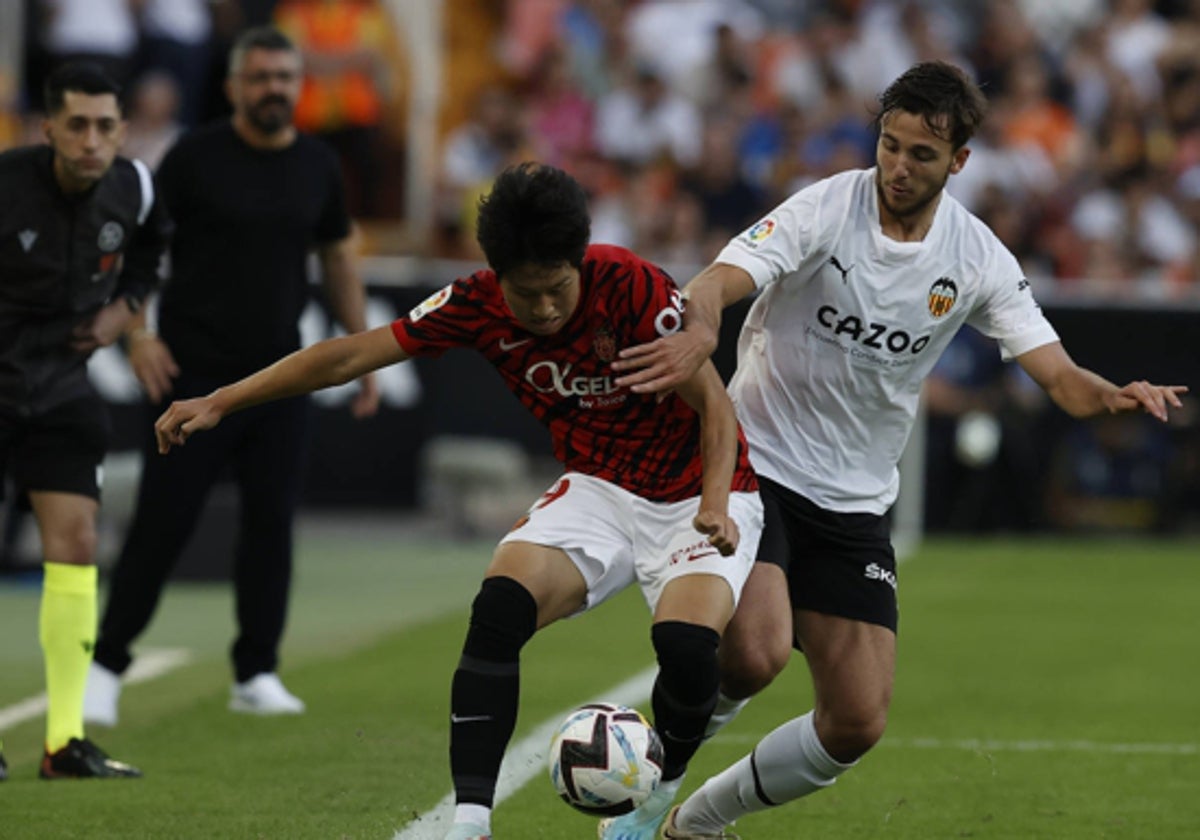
pixel 657 492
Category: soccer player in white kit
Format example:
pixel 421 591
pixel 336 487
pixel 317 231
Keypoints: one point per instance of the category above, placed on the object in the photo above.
pixel 864 278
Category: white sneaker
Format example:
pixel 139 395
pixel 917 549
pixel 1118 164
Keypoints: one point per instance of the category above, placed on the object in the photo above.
pixel 264 694
pixel 100 696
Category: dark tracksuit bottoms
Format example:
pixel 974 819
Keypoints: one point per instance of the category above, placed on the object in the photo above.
pixel 266 446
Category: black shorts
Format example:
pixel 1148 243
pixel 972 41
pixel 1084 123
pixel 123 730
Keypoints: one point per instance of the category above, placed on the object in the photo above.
pixel 836 563
pixel 58 451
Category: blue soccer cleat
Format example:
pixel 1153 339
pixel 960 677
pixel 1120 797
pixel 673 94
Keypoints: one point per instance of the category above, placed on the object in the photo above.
pixel 643 822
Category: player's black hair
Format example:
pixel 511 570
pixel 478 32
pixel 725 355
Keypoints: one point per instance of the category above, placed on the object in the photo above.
pixel 534 214
pixel 78 77
pixel 257 38
pixel 932 90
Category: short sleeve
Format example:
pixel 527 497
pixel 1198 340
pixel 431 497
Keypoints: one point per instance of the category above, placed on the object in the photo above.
pixel 655 303
pixel 776 244
pixel 1008 311
pixel 453 316
pixel 333 225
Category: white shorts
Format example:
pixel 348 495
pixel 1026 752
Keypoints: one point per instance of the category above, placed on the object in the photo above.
pixel 615 537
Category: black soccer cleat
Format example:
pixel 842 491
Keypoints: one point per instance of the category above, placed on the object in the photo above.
pixel 81 759
pixel 3 768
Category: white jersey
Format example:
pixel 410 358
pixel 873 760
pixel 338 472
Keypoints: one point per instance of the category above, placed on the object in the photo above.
pixel 847 326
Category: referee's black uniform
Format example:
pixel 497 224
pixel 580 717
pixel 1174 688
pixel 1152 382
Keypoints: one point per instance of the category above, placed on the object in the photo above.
pixel 63 257
pixel 245 222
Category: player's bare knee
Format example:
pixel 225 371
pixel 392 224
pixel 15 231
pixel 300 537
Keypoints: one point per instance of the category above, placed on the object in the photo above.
pixel 746 672
pixel 870 730
pixel 849 734
pixel 750 659
pixel 74 546
pixel 743 686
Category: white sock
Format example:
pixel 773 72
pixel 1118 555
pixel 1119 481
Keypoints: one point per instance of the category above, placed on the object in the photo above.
pixel 787 764
pixel 723 714
pixel 479 814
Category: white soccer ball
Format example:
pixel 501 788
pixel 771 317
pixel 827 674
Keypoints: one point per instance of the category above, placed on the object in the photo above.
pixel 605 759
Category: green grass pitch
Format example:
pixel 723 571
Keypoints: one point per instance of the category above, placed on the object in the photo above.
pixel 1045 689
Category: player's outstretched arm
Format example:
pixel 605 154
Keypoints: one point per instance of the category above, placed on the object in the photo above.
pixel 705 392
pixel 1082 393
pixel 665 363
pixel 324 364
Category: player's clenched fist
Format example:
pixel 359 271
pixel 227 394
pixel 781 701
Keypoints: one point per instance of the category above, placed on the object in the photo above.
pixel 722 531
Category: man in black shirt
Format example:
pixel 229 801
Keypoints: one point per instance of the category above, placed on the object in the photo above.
pixel 81 237
pixel 250 198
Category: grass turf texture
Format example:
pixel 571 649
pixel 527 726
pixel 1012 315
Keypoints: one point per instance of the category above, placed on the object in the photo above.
pixel 1025 668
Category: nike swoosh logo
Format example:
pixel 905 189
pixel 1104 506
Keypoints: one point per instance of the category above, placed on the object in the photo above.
pixel 507 345
pixel 700 554
pixel 469 718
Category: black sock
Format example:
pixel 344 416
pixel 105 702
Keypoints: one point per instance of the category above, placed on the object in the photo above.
pixel 486 687
pixel 685 692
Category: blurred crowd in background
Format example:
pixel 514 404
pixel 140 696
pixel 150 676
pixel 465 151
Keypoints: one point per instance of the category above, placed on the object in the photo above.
pixel 686 119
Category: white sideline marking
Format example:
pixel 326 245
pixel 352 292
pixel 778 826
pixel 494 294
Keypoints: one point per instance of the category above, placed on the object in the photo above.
pixel 525 759
pixel 148 666
pixel 985 745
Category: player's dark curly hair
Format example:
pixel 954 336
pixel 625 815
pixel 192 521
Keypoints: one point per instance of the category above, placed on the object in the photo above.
pixel 935 89
pixel 78 77
pixel 534 214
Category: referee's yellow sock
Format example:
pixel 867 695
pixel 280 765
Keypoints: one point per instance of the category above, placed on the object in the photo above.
pixel 67 630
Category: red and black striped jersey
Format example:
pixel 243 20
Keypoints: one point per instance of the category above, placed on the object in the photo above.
pixel 649 448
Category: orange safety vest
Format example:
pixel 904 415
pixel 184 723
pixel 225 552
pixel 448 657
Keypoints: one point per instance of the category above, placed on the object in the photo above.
pixel 347 98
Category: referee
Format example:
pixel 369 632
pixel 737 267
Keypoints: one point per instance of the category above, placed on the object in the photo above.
pixel 250 197
pixel 81 237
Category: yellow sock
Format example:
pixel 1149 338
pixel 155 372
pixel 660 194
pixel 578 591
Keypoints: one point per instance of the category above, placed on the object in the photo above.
pixel 67 630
